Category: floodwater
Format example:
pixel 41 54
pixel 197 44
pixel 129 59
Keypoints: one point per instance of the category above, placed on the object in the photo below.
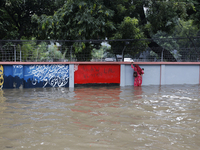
pixel 96 118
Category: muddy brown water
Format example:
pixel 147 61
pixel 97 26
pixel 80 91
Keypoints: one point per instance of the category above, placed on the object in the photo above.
pixel 101 118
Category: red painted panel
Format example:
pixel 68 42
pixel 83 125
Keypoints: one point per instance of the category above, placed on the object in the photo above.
pixel 85 74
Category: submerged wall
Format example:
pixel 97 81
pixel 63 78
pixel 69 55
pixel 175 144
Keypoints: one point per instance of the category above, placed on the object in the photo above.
pixel 39 75
pixel 97 74
pixel 164 73
pixel 70 74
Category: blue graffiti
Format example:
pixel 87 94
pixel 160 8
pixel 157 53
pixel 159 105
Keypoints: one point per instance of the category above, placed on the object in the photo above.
pixel 18 71
pixel 55 75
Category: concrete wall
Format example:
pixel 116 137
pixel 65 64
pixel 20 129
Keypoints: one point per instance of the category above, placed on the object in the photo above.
pixel 151 76
pixel 97 74
pixel 165 74
pixel 39 75
pixel 180 74
pixel 68 74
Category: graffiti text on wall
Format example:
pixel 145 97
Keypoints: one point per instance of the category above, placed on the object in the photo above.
pixel 1 76
pixel 18 71
pixel 55 75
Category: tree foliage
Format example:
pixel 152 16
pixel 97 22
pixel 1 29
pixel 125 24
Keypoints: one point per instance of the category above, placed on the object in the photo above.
pixel 16 16
pixel 96 19
pixel 76 20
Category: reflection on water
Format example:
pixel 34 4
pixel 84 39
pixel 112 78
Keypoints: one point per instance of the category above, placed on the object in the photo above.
pixel 148 117
pixel 2 100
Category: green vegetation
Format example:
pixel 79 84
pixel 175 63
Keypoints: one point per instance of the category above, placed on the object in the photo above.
pixel 101 53
pixel 100 19
pixel 31 51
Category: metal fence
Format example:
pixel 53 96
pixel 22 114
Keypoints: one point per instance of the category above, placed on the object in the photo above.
pixel 145 50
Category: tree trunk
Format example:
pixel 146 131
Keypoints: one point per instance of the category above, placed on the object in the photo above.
pixel 153 45
pixel 158 50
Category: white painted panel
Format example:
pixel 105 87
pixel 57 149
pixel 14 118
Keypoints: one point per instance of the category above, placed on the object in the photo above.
pixel 182 74
pixel 71 75
pixel 151 76
pixel 122 75
pixel 129 80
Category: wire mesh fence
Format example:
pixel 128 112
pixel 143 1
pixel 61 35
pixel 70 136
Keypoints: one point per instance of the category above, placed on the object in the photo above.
pixel 145 50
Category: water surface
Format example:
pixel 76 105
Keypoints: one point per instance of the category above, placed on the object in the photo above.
pixel 112 118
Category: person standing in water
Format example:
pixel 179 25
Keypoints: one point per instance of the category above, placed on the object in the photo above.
pixel 137 74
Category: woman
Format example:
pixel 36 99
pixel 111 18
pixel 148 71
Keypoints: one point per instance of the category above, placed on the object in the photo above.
pixel 139 72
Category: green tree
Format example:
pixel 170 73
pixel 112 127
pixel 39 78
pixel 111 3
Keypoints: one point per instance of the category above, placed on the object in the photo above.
pixel 128 29
pixel 77 20
pixel 81 19
pixel 188 30
pixel 101 53
pixel 163 16
pixel 28 50
pixel 183 43
pixel 8 31
pixel 189 41
pixel 194 13
pixel 94 19
pixel 15 16
pixel 168 43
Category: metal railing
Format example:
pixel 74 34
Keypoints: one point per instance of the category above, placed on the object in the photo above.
pixel 100 50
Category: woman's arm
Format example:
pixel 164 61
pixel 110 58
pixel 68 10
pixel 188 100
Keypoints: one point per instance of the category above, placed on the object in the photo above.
pixel 132 66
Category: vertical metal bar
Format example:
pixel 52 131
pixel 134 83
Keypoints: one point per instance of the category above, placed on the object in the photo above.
pixel 162 55
pixel 20 53
pixel 199 74
pixel 71 54
pixel 15 52
pixel 37 55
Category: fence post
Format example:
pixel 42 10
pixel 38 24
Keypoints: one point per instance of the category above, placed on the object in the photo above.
pixel 71 54
pixel 123 53
pixel 162 56
pixel 20 56
pixel 15 52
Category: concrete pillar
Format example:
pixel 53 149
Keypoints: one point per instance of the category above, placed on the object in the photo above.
pixel 71 75
pixel 122 75
pixel 162 75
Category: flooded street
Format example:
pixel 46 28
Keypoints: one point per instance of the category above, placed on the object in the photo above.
pixel 96 118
